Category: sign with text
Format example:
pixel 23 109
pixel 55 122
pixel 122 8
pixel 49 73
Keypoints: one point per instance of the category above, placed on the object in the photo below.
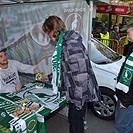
pixel 114 9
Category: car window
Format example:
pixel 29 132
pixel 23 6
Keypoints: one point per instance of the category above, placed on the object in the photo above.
pixel 102 54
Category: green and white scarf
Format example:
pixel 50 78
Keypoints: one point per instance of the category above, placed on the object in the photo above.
pixel 56 63
pixel 126 75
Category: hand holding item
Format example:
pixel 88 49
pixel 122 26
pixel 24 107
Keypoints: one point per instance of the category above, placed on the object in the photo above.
pixel 45 79
pixel 18 87
pixel 36 70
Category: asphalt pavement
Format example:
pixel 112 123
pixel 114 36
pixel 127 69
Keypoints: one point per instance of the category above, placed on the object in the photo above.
pixel 58 123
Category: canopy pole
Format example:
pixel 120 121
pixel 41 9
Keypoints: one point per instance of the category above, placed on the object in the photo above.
pixel 90 26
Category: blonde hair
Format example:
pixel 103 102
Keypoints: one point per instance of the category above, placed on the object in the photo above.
pixel 55 24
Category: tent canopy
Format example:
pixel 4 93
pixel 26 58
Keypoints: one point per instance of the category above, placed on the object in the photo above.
pixel 4 2
pixel 7 2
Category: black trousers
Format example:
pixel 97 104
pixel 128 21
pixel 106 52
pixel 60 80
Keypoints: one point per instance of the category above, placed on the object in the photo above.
pixel 76 118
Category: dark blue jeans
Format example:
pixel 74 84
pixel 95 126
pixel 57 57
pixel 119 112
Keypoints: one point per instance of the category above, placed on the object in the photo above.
pixel 123 119
pixel 76 118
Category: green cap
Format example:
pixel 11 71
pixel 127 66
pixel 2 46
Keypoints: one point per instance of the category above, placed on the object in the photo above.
pixel 129 25
pixel 3 50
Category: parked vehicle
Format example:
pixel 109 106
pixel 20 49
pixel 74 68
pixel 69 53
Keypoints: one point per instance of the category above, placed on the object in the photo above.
pixel 106 65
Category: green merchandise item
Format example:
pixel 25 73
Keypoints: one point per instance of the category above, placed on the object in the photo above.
pixel 126 75
pixel 56 63
pixel 4 117
pixel 39 85
pixel 39 76
pixel 41 127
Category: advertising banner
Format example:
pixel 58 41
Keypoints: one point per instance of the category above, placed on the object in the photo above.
pixel 114 9
pixel 21 32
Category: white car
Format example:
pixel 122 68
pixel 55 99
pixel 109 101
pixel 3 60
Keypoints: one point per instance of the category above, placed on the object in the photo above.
pixel 106 65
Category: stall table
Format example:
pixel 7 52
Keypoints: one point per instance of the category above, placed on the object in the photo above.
pixel 32 122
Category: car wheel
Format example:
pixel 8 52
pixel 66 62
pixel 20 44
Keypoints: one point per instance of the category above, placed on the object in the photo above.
pixel 105 108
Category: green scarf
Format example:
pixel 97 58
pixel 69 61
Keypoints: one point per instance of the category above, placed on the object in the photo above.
pixel 56 63
pixel 126 75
